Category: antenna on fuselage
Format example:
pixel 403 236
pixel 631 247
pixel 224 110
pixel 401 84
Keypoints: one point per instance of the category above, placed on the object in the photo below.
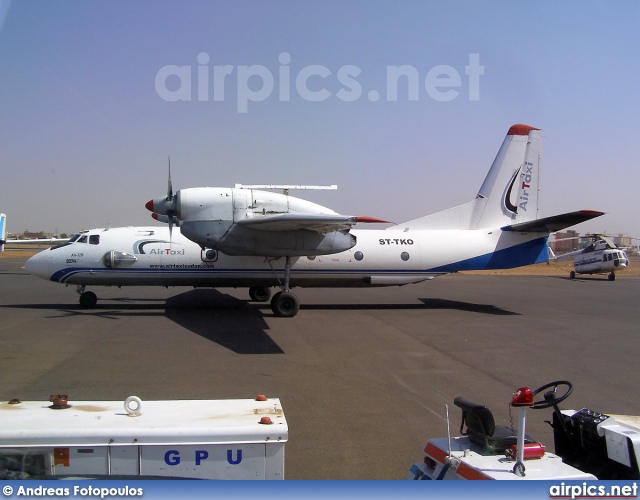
pixel 285 187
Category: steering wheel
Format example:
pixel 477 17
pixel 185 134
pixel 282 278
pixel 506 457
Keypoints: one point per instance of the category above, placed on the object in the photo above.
pixel 550 397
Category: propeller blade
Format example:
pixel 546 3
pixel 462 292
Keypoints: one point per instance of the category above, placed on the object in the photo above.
pixel 167 204
pixel 169 186
pixel 164 209
pixel 170 213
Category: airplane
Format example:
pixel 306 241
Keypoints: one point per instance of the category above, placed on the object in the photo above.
pixel 4 240
pixel 600 257
pixel 248 237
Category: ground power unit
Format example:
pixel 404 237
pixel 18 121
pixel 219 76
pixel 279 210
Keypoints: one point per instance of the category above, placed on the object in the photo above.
pixel 197 439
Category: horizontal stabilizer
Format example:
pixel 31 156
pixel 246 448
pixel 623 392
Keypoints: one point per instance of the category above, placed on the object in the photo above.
pixel 554 223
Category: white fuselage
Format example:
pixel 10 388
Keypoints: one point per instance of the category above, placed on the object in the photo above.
pixel 146 256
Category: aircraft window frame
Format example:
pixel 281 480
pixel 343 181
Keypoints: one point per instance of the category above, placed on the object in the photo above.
pixel 82 239
pixel 74 238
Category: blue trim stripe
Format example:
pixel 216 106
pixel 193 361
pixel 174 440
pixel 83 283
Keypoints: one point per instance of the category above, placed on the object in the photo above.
pixel 532 252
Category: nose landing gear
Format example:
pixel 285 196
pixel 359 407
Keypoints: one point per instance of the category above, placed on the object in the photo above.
pixel 87 299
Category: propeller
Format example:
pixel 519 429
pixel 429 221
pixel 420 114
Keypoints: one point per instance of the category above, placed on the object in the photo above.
pixel 172 209
pixel 164 206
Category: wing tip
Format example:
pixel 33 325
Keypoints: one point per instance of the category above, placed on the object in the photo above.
pixel 372 220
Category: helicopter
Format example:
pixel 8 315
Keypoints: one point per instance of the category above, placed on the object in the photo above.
pixel 601 256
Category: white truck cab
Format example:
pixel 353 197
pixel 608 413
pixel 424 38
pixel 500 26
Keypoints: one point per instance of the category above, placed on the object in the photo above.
pixel 197 439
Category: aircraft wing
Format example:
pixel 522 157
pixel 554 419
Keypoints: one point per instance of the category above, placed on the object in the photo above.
pixel 554 223
pixel 320 223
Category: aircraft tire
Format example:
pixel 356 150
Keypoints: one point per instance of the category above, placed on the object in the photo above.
pixel 88 300
pixel 612 276
pixel 259 293
pixel 572 274
pixel 285 305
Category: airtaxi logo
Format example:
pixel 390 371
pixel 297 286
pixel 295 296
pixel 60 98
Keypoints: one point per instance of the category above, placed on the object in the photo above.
pixel 526 184
pixel 166 251
pixel 313 83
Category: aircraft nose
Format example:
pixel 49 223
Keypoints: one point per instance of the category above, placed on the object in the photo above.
pixel 38 265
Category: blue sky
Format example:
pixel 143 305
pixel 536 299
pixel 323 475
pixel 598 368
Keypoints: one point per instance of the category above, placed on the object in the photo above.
pixel 85 132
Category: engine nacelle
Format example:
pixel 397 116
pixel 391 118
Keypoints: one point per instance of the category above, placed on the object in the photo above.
pixel 204 204
pixel 238 240
pixel 209 215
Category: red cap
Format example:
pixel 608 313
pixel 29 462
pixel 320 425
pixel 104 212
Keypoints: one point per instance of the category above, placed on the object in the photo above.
pixel 521 129
pixel 522 397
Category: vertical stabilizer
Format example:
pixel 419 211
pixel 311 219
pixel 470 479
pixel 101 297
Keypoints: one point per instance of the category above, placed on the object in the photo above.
pixel 509 193
pixel 528 183
pixel 3 231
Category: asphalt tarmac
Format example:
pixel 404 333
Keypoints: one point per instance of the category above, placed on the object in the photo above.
pixel 363 375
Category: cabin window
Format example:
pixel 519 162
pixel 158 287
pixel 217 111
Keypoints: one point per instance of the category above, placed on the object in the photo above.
pixel 358 255
pixel 94 239
pixel 404 256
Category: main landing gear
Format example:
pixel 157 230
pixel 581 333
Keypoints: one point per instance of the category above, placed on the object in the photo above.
pixel 87 299
pixel 284 304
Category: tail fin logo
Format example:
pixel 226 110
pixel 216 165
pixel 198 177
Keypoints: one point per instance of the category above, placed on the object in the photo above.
pixel 526 184
pixel 508 208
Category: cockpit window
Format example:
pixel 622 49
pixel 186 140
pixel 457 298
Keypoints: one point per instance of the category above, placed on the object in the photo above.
pixel 75 237
pixel 83 239
pixel 94 239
